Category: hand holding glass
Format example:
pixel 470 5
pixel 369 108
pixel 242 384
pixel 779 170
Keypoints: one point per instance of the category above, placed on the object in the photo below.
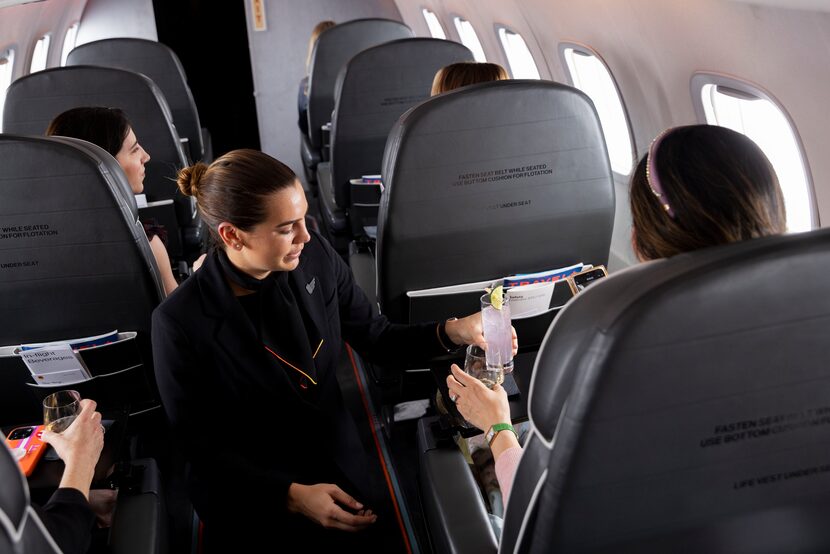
pixel 498 333
pixel 60 409
pixel 475 364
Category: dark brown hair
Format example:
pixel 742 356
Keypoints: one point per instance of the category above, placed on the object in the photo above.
pixel 466 73
pixel 720 186
pixel 104 127
pixel 234 188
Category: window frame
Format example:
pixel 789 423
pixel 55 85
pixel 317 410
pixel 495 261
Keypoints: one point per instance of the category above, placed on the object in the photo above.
pixel 700 79
pixel 456 16
pixel 632 140
pixel 65 55
pixel 9 52
pixel 44 37
pixel 502 27
pixel 424 11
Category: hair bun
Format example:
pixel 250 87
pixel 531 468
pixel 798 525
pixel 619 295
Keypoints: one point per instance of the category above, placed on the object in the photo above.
pixel 190 178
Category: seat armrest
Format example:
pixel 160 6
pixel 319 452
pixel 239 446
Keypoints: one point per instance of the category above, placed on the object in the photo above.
pixel 362 263
pixel 453 506
pixel 140 522
pixel 309 153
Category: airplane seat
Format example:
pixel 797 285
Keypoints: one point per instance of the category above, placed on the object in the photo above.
pixel 491 180
pixel 158 62
pixel 681 405
pixel 483 182
pixel 74 262
pixel 138 525
pixel 373 89
pixel 334 48
pixel 32 102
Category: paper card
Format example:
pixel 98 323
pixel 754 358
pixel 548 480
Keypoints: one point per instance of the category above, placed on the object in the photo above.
pixel 69 377
pixel 54 360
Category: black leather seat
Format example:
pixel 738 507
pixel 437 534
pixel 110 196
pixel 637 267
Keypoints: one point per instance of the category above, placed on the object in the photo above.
pixel 334 48
pixel 32 102
pixel 74 259
pixel 375 88
pixel 491 180
pixel 139 525
pixel 159 63
pixel 681 405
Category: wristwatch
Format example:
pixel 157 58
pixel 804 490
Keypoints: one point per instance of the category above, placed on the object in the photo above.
pixel 496 429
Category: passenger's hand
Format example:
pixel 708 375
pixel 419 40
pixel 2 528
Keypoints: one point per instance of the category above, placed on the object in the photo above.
pixel 469 330
pixel 321 503
pixel 79 446
pixel 479 405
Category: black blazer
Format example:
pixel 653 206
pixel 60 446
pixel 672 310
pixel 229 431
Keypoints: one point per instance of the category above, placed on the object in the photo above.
pixel 246 431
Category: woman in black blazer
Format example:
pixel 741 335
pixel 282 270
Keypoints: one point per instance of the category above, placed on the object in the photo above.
pixel 245 355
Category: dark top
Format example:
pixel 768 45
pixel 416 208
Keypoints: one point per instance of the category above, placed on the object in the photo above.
pixel 302 106
pixel 246 430
pixel 152 229
pixel 69 519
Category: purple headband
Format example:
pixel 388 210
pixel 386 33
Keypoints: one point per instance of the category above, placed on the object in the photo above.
pixel 651 172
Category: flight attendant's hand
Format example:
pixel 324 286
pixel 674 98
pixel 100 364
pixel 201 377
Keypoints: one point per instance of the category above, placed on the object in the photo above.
pixel 469 330
pixel 322 502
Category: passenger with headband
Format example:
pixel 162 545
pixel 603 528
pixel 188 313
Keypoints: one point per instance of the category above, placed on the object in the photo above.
pixel 698 186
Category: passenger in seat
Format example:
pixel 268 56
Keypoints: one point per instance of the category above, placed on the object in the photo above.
pixel 698 186
pixel 302 94
pixel 110 129
pixel 466 73
pixel 246 354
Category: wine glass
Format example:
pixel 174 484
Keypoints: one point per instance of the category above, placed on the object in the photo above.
pixel 60 409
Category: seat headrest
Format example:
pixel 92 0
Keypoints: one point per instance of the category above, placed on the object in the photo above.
pixel 14 494
pixel 31 103
pixel 74 259
pixel 374 88
pixel 334 48
pixel 158 62
pixel 686 393
pixel 491 180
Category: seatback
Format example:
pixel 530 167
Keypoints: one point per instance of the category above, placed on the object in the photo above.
pixel 32 102
pixel 158 62
pixel 21 531
pixel 491 180
pixel 682 405
pixel 74 259
pixel 334 48
pixel 375 88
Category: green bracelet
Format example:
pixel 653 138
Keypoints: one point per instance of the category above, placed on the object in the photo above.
pixel 496 429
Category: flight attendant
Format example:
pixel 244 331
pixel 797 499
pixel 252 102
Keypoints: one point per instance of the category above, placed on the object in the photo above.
pixel 245 357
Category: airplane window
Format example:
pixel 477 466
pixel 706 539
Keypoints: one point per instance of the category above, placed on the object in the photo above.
pixel 69 42
pixel 40 53
pixel 590 75
pixel 469 38
pixel 6 67
pixel 740 109
pixel 519 58
pixel 435 28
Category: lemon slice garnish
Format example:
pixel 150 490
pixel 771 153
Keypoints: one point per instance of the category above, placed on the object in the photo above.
pixel 497 297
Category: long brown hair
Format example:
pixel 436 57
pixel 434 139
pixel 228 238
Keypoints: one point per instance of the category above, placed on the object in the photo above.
pixel 234 188
pixel 721 189
pixel 315 34
pixel 466 73
pixel 104 127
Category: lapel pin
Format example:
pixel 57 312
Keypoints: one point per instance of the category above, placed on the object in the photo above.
pixel 310 285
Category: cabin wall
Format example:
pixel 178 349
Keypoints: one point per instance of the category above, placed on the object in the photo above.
pixel 21 26
pixel 278 59
pixel 117 18
pixel 653 47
